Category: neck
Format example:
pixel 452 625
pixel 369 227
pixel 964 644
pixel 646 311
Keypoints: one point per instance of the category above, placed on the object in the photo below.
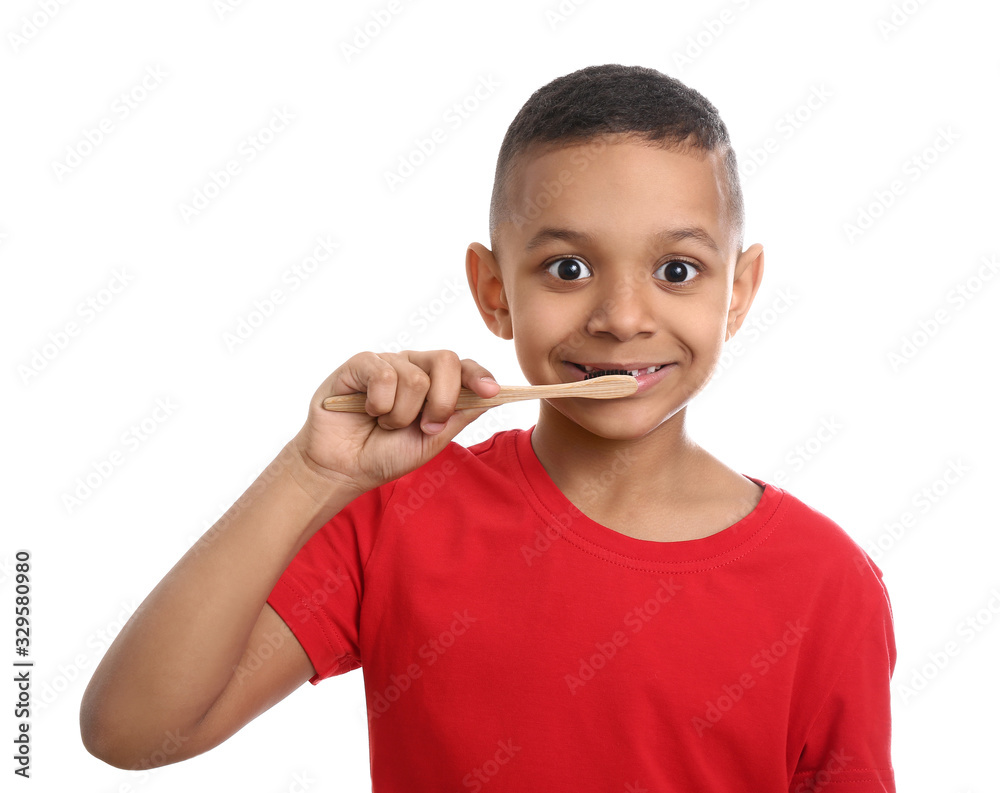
pixel 664 466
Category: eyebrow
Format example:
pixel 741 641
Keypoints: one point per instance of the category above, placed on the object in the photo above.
pixel 667 236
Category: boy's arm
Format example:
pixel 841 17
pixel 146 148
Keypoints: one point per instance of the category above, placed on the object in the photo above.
pixel 175 681
pixel 848 742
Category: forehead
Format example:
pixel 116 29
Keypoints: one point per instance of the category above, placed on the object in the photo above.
pixel 616 188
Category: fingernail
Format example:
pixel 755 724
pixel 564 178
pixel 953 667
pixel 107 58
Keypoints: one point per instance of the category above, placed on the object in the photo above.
pixel 488 379
pixel 432 428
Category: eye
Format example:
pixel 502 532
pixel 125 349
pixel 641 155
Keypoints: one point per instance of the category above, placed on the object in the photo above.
pixel 568 268
pixel 678 271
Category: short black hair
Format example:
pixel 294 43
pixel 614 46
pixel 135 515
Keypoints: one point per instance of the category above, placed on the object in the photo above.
pixel 610 100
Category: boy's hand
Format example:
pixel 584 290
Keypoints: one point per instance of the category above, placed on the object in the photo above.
pixel 408 393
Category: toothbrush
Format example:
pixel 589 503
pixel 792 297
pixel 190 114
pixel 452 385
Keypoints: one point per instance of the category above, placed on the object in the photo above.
pixel 596 385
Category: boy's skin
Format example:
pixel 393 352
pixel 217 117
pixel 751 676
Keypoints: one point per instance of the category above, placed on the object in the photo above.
pixel 626 194
pixel 185 668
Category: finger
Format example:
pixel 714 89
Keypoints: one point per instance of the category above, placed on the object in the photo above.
pixel 473 375
pixel 364 373
pixel 445 371
pixel 412 384
pixel 457 422
pixel 370 374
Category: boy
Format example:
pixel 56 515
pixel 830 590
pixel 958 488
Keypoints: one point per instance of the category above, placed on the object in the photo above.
pixel 596 603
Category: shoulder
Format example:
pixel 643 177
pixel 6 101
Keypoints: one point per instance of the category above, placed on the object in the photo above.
pixel 487 464
pixel 495 452
pixel 836 588
pixel 828 555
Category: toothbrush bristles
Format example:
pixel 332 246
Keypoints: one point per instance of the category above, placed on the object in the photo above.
pixel 603 372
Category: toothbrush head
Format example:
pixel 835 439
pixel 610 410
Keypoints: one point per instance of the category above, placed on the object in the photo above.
pixel 603 372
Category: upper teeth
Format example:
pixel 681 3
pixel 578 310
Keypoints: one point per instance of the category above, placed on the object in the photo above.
pixel 633 372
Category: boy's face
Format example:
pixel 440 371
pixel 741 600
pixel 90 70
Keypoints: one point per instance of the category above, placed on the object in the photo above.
pixel 620 254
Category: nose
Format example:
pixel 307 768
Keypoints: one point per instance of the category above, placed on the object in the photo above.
pixel 625 309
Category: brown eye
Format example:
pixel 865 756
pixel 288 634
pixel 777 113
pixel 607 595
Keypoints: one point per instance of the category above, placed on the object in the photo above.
pixel 678 271
pixel 568 269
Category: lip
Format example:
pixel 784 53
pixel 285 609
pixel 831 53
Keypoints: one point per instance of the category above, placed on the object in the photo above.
pixel 646 381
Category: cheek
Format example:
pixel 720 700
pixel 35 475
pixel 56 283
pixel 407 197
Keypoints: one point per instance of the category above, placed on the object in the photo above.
pixel 536 318
pixel 542 334
pixel 700 317
pixel 710 346
pixel 710 335
pixel 568 346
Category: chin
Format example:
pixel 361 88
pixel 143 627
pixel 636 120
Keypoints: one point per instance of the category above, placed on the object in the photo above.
pixel 627 424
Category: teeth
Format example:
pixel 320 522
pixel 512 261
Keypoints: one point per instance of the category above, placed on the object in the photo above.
pixel 633 372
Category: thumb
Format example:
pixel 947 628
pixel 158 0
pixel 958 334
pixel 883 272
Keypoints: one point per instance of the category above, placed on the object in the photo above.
pixel 456 422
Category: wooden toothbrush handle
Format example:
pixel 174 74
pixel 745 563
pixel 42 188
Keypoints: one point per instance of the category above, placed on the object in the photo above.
pixel 467 399
pixel 607 387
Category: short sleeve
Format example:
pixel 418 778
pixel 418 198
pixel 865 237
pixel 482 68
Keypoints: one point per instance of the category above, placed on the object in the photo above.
pixel 848 744
pixel 319 594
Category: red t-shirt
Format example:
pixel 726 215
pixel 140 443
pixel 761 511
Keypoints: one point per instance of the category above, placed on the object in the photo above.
pixel 510 643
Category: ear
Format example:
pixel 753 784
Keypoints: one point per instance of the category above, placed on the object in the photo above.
pixel 486 284
pixel 746 279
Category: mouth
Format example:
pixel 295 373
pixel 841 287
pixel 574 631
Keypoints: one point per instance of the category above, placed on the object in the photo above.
pixel 634 369
pixel 646 373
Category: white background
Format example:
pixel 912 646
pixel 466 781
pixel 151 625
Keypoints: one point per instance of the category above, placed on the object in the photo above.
pixel 824 359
